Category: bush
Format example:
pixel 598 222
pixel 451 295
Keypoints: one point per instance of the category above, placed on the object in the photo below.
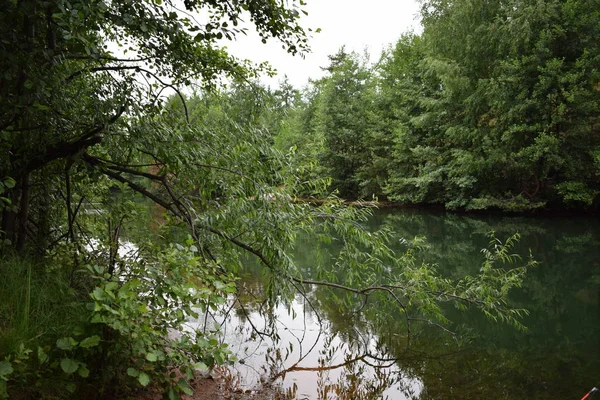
pixel 127 332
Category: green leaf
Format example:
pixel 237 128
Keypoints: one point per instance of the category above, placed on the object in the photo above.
pixel 9 183
pixel 172 394
pixel 98 294
pixel 132 284
pixel 83 371
pixel 151 357
pixel 40 106
pixel 91 341
pixel 143 379
pixel 200 366
pixel 218 284
pixel 185 388
pixel 132 372
pixel 98 269
pixel 97 318
pixel 42 356
pixel 67 343
pixel 5 369
pixel 69 365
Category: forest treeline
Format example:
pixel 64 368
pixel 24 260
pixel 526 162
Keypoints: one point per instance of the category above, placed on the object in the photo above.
pixel 493 106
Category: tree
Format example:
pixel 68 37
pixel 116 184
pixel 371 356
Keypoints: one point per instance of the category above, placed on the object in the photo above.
pixel 407 91
pixel 343 119
pixel 84 122
pixel 513 117
pixel 64 88
pixel 303 144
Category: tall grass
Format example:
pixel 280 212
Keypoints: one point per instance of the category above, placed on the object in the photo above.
pixel 37 304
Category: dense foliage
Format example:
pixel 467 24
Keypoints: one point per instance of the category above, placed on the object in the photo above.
pixel 494 105
pixel 86 136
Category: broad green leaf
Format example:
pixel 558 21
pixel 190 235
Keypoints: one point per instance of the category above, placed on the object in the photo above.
pixel 83 371
pixel 200 366
pixel 132 372
pixel 132 284
pixel 98 294
pixel 172 394
pixel 143 379
pixel 97 318
pixel 69 365
pixel 151 357
pixel 91 341
pixel 185 388
pixel 142 308
pixel 67 343
pixel 9 183
pixel 98 269
pixel 218 284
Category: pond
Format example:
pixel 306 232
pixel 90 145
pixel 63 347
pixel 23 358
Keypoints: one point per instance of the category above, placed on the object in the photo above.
pixel 315 350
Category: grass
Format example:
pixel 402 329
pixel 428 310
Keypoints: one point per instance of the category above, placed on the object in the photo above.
pixel 37 304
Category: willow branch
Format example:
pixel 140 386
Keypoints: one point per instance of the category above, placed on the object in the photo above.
pixel 134 186
pixel 136 69
pixel 231 171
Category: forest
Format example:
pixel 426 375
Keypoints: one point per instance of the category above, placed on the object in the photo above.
pixel 145 173
pixel 493 106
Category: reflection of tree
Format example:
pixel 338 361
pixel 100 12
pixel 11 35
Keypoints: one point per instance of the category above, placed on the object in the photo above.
pixel 556 358
pixel 359 382
pixel 496 363
pixel 492 372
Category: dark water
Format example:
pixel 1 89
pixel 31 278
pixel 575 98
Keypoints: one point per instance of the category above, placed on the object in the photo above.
pixel 558 357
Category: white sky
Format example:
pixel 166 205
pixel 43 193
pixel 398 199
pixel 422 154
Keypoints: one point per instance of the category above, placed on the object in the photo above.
pixel 370 24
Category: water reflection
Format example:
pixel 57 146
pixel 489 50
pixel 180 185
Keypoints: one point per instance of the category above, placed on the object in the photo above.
pixel 557 358
pixel 301 354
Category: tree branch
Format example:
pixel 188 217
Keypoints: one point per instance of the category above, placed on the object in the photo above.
pixel 65 149
pixel 95 162
pixel 99 69
pixel 136 69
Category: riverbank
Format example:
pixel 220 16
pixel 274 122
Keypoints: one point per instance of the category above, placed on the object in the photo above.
pixel 219 386
pixel 546 212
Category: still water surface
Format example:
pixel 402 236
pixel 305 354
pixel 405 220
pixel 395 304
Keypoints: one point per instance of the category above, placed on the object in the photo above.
pixel 324 353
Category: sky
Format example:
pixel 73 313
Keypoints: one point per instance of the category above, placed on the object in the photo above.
pixel 357 24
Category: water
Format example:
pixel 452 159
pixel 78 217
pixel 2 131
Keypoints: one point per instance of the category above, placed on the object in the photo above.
pixel 558 357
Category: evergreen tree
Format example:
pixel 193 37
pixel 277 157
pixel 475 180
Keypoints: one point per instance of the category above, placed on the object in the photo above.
pixel 343 119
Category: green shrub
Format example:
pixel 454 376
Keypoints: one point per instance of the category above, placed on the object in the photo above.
pixel 127 332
